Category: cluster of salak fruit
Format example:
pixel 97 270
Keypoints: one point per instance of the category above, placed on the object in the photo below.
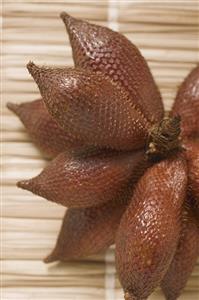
pixel 128 174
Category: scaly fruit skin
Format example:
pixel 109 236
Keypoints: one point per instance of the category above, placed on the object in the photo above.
pixel 91 107
pixel 87 231
pixel 44 131
pixel 149 230
pixel 79 181
pixel 187 104
pixel 103 50
pixel 192 155
pixel 184 259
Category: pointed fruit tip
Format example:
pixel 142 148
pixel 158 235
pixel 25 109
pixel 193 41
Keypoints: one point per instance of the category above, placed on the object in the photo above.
pixel 34 70
pixel 67 19
pixel 31 66
pixel 64 16
pixel 37 72
pixel 30 185
pixel 50 258
pixel 23 184
pixel 12 107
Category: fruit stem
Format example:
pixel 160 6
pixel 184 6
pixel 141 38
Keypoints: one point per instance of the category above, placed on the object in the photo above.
pixel 164 138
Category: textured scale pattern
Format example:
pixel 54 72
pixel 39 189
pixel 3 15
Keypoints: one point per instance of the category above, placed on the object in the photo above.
pixel 192 150
pixel 97 225
pixel 104 50
pixel 185 257
pixel 91 107
pixel 192 153
pixel 99 120
pixel 187 105
pixel 149 230
pixel 44 131
pixel 76 181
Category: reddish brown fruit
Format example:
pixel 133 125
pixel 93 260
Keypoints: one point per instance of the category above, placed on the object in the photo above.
pixel 187 104
pixel 195 206
pixel 44 131
pixel 91 108
pixel 102 50
pixel 192 156
pixel 149 230
pixel 185 258
pixel 79 181
pixel 87 231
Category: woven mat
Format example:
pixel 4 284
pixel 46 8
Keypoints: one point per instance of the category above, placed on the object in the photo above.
pixel 167 34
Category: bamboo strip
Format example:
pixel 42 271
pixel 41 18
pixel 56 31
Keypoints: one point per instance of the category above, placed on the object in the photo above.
pixel 16 136
pixel 150 13
pixel 19 149
pixel 16 98
pixel 11 123
pixel 86 10
pixel 52 293
pixel 41 226
pixel 38 268
pixel 30 206
pixel 156 28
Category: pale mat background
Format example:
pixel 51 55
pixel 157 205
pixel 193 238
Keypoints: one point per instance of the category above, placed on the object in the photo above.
pixel 168 35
